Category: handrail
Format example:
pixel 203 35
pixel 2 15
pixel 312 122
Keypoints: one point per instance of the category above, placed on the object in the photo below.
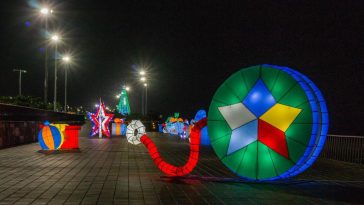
pixel 346 136
pixel 344 148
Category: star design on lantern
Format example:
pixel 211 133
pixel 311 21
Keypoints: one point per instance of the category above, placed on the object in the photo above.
pixel 100 120
pixel 259 118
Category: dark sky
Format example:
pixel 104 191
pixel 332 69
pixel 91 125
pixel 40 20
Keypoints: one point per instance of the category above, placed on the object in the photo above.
pixel 189 48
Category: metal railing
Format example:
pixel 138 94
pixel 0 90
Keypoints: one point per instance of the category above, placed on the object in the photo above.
pixel 344 148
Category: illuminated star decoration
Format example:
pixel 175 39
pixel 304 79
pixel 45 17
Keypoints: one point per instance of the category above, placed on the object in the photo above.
pixel 259 118
pixel 100 120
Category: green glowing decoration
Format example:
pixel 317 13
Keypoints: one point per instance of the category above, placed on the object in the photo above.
pixel 123 107
pixel 267 122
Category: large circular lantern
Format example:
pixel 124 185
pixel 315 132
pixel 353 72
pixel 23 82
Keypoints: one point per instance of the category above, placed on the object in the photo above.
pixel 267 122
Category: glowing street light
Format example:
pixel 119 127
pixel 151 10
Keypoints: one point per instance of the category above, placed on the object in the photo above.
pixel 143 79
pixel 55 39
pixel 127 88
pixel 45 12
pixel 67 60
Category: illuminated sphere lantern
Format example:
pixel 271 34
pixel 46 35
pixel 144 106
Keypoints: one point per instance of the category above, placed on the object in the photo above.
pixel 50 137
pixel 267 122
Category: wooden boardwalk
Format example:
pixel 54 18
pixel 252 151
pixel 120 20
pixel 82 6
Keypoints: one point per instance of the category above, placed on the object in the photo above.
pixel 112 171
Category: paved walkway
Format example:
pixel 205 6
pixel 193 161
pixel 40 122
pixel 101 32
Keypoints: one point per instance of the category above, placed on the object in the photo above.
pixel 112 171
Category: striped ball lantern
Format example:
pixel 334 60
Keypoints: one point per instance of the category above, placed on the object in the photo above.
pixel 61 128
pixel 49 137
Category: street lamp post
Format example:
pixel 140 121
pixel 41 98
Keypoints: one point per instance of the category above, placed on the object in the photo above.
pixel 142 102
pixel 146 98
pixel 67 60
pixel 65 88
pixel 55 39
pixel 45 12
pixel 143 79
pixel 20 72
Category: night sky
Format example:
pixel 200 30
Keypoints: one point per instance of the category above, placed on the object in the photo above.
pixel 189 49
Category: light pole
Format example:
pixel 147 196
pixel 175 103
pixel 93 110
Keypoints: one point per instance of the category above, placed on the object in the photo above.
pixel 143 79
pixel 146 98
pixel 67 60
pixel 45 13
pixel 55 40
pixel 20 72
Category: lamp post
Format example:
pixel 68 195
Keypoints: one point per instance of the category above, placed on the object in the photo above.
pixel 143 79
pixel 20 72
pixel 55 40
pixel 45 13
pixel 146 98
pixel 67 60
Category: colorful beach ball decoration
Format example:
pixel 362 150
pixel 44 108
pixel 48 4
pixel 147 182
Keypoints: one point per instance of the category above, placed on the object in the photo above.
pixel 134 131
pixel 49 137
pixel 61 128
pixel 267 122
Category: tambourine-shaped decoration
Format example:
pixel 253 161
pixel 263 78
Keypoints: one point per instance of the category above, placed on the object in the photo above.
pixel 135 131
pixel 267 122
